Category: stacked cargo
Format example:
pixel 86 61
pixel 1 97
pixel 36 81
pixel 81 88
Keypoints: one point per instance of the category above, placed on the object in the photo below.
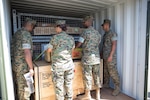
pixel 44 30
pixel 51 30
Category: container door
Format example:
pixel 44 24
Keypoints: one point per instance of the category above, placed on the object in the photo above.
pixel 2 77
pixel 147 70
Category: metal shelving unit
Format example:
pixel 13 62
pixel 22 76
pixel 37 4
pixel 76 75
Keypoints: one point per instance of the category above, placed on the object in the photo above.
pixel 40 41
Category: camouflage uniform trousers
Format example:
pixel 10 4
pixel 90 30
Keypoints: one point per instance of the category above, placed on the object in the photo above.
pixel 21 88
pixel 63 84
pixel 110 70
pixel 91 72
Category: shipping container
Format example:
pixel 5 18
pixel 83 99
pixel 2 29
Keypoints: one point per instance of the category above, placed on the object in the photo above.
pixel 130 20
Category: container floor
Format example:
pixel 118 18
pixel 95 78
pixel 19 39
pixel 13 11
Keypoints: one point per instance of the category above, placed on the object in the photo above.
pixel 106 95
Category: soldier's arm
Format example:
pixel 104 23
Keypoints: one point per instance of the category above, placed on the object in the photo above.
pixel 114 44
pixel 28 58
pixel 49 50
pixel 26 46
pixel 113 48
pixel 101 46
pixel 73 44
pixel 81 40
pixel 50 45
pixel 78 45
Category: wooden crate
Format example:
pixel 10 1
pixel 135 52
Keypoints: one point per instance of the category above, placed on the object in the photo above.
pixel 78 86
pixel 44 89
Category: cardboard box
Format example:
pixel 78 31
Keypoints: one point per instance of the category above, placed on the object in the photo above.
pixel 44 30
pixel 40 24
pixel 51 30
pixel 73 30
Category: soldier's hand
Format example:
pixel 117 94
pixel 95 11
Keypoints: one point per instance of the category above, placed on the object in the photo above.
pixel 31 72
pixel 109 59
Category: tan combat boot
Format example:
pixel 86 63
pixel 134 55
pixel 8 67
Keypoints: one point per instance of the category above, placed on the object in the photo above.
pixel 86 96
pixel 116 91
pixel 98 94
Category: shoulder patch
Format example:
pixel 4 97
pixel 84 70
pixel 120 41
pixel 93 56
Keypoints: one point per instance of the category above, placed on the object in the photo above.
pixel 26 46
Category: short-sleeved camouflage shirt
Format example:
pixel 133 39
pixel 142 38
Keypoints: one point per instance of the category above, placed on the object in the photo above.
pixel 108 38
pixel 90 40
pixel 21 40
pixel 61 45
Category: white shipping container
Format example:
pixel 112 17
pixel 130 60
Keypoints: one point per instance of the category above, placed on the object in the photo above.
pixel 129 21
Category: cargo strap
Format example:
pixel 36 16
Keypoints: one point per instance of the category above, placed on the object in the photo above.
pixel 39 56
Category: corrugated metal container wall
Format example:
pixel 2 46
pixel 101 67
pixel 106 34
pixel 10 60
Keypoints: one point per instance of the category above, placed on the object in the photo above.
pixel 6 82
pixel 128 20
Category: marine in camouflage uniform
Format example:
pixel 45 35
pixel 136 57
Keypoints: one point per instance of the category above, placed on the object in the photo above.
pixel 110 69
pixel 21 40
pixel 61 45
pixel 90 40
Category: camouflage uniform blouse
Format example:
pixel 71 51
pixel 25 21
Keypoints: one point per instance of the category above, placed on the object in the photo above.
pixel 108 38
pixel 21 40
pixel 62 45
pixel 91 40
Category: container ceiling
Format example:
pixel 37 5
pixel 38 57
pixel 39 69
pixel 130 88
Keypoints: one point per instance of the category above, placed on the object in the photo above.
pixel 70 8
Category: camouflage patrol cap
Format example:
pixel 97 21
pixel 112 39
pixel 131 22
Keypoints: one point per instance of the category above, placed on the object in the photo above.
pixel 60 22
pixel 87 18
pixel 106 21
pixel 29 20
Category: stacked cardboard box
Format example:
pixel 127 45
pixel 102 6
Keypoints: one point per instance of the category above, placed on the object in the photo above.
pixel 44 30
pixel 51 30
pixel 73 30
pixel 45 24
